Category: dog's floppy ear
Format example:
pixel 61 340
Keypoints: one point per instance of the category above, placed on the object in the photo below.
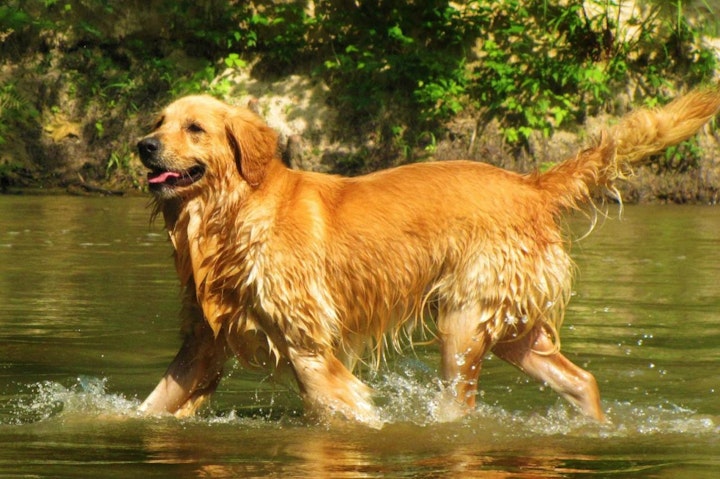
pixel 253 143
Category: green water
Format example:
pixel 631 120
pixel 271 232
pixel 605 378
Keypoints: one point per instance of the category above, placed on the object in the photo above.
pixel 88 300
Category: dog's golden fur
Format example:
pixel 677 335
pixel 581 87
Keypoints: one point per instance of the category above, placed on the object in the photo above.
pixel 317 271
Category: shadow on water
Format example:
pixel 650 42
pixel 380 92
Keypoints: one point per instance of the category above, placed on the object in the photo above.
pixel 88 301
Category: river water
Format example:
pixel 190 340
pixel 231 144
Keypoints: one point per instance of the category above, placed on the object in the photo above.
pixel 88 304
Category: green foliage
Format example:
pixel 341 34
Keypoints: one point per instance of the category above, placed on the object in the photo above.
pixel 16 110
pixel 119 161
pixel 393 56
pixel 681 158
pixel 536 66
pixel 539 66
pixel 397 70
pixel 12 18
pixel 545 63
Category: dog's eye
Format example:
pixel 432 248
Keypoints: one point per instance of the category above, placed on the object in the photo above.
pixel 195 128
pixel 159 123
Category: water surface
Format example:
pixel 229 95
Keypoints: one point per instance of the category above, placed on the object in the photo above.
pixel 88 304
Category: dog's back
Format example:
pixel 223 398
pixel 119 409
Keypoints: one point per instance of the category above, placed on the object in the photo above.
pixel 448 233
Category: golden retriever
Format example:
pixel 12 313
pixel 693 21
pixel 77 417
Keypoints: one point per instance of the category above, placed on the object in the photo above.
pixel 316 272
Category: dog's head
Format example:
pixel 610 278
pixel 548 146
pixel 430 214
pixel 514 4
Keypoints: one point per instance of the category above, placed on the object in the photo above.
pixel 199 141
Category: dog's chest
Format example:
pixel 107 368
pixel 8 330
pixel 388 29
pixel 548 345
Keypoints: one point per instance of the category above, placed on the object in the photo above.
pixel 225 264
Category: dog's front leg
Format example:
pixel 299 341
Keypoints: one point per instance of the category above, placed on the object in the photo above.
pixel 329 389
pixel 194 373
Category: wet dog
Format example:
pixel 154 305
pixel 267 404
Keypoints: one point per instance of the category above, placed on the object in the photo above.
pixel 316 272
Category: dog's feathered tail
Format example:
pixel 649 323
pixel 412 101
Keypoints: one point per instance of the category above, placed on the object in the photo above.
pixel 639 134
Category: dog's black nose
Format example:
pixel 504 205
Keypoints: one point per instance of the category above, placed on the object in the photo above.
pixel 148 147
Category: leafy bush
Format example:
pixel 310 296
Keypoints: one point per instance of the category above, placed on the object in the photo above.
pixel 397 70
pixel 396 55
pixel 533 65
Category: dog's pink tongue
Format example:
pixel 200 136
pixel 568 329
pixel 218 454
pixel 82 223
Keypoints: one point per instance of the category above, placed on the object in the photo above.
pixel 162 177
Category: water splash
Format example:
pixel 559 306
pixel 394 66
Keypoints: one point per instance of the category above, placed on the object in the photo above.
pixel 88 396
pixel 419 398
pixel 409 396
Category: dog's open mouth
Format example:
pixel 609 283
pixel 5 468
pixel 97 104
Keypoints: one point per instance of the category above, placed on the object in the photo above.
pixel 175 179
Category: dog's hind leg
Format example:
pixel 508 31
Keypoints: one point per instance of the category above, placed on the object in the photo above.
pixel 536 355
pixel 463 345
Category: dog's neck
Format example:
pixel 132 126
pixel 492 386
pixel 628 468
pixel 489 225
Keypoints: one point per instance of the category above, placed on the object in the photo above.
pixel 204 259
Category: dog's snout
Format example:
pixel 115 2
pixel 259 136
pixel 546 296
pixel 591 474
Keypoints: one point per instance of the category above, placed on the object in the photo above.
pixel 148 148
